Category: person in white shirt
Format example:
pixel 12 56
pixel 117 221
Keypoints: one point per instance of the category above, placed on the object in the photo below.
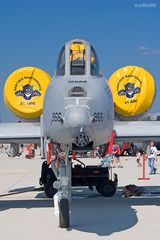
pixel 152 157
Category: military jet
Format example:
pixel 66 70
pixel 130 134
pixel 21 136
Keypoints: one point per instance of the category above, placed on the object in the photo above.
pixel 78 114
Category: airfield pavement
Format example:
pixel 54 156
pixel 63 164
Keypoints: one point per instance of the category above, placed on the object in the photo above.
pixel 26 214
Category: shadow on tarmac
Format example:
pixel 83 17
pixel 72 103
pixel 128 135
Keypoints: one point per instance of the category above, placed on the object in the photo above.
pixel 38 201
pixel 92 213
pixel 28 204
pixel 105 216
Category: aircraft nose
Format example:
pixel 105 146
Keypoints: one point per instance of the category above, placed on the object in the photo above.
pixel 77 116
pixel 78 120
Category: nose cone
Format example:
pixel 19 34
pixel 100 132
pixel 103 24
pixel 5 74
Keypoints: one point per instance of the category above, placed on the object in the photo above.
pixel 77 116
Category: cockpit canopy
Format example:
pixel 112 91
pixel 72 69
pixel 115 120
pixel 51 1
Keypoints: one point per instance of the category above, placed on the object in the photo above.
pixel 77 58
pixel 80 55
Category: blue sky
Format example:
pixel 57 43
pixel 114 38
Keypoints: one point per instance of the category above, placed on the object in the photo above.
pixel 123 32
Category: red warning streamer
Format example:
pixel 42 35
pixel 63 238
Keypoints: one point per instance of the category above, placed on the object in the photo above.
pixel 109 145
pixel 49 156
pixel 57 159
pixel 111 141
pixel 74 155
pixel 123 147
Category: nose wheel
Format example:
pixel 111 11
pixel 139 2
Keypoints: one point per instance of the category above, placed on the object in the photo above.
pixel 64 213
pixel 106 188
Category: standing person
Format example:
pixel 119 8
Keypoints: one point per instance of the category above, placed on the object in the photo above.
pixel 139 155
pixel 22 148
pixel 98 152
pixel 115 154
pixel 152 157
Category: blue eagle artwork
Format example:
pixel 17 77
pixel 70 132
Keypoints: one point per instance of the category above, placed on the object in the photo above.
pixel 27 92
pixel 129 90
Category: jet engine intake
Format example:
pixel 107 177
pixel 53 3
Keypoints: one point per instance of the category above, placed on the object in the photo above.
pixel 24 92
pixel 133 91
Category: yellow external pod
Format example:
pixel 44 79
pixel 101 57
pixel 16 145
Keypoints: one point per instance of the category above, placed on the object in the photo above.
pixel 133 90
pixel 24 91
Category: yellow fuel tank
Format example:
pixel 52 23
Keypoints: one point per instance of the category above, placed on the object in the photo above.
pixel 133 90
pixel 24 91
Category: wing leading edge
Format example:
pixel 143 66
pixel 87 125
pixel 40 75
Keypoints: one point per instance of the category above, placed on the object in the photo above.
pixel 20 132
pixel 137 131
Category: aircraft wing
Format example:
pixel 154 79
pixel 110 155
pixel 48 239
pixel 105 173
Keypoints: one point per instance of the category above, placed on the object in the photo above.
pixel 137 131
pixel 20 132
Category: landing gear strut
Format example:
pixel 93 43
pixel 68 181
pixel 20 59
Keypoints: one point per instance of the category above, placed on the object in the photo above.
pixel 56 178
pixel 63 185
pixel 57 182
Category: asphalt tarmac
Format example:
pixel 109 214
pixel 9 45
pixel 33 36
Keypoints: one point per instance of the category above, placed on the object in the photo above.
pixel 26 213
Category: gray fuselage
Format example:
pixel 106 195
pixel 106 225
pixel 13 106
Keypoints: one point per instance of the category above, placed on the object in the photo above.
pixel 78 108
pixel 78 113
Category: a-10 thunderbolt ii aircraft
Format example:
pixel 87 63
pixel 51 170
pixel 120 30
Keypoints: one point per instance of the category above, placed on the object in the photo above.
pixel 78 111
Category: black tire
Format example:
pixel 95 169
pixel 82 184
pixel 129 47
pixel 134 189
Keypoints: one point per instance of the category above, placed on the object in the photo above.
pixel 107 188
pixel 49 190
pixel 46 174
pixel 64 213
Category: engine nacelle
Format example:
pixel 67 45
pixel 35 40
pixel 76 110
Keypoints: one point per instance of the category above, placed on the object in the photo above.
pixel 24 91
pixel 133 91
